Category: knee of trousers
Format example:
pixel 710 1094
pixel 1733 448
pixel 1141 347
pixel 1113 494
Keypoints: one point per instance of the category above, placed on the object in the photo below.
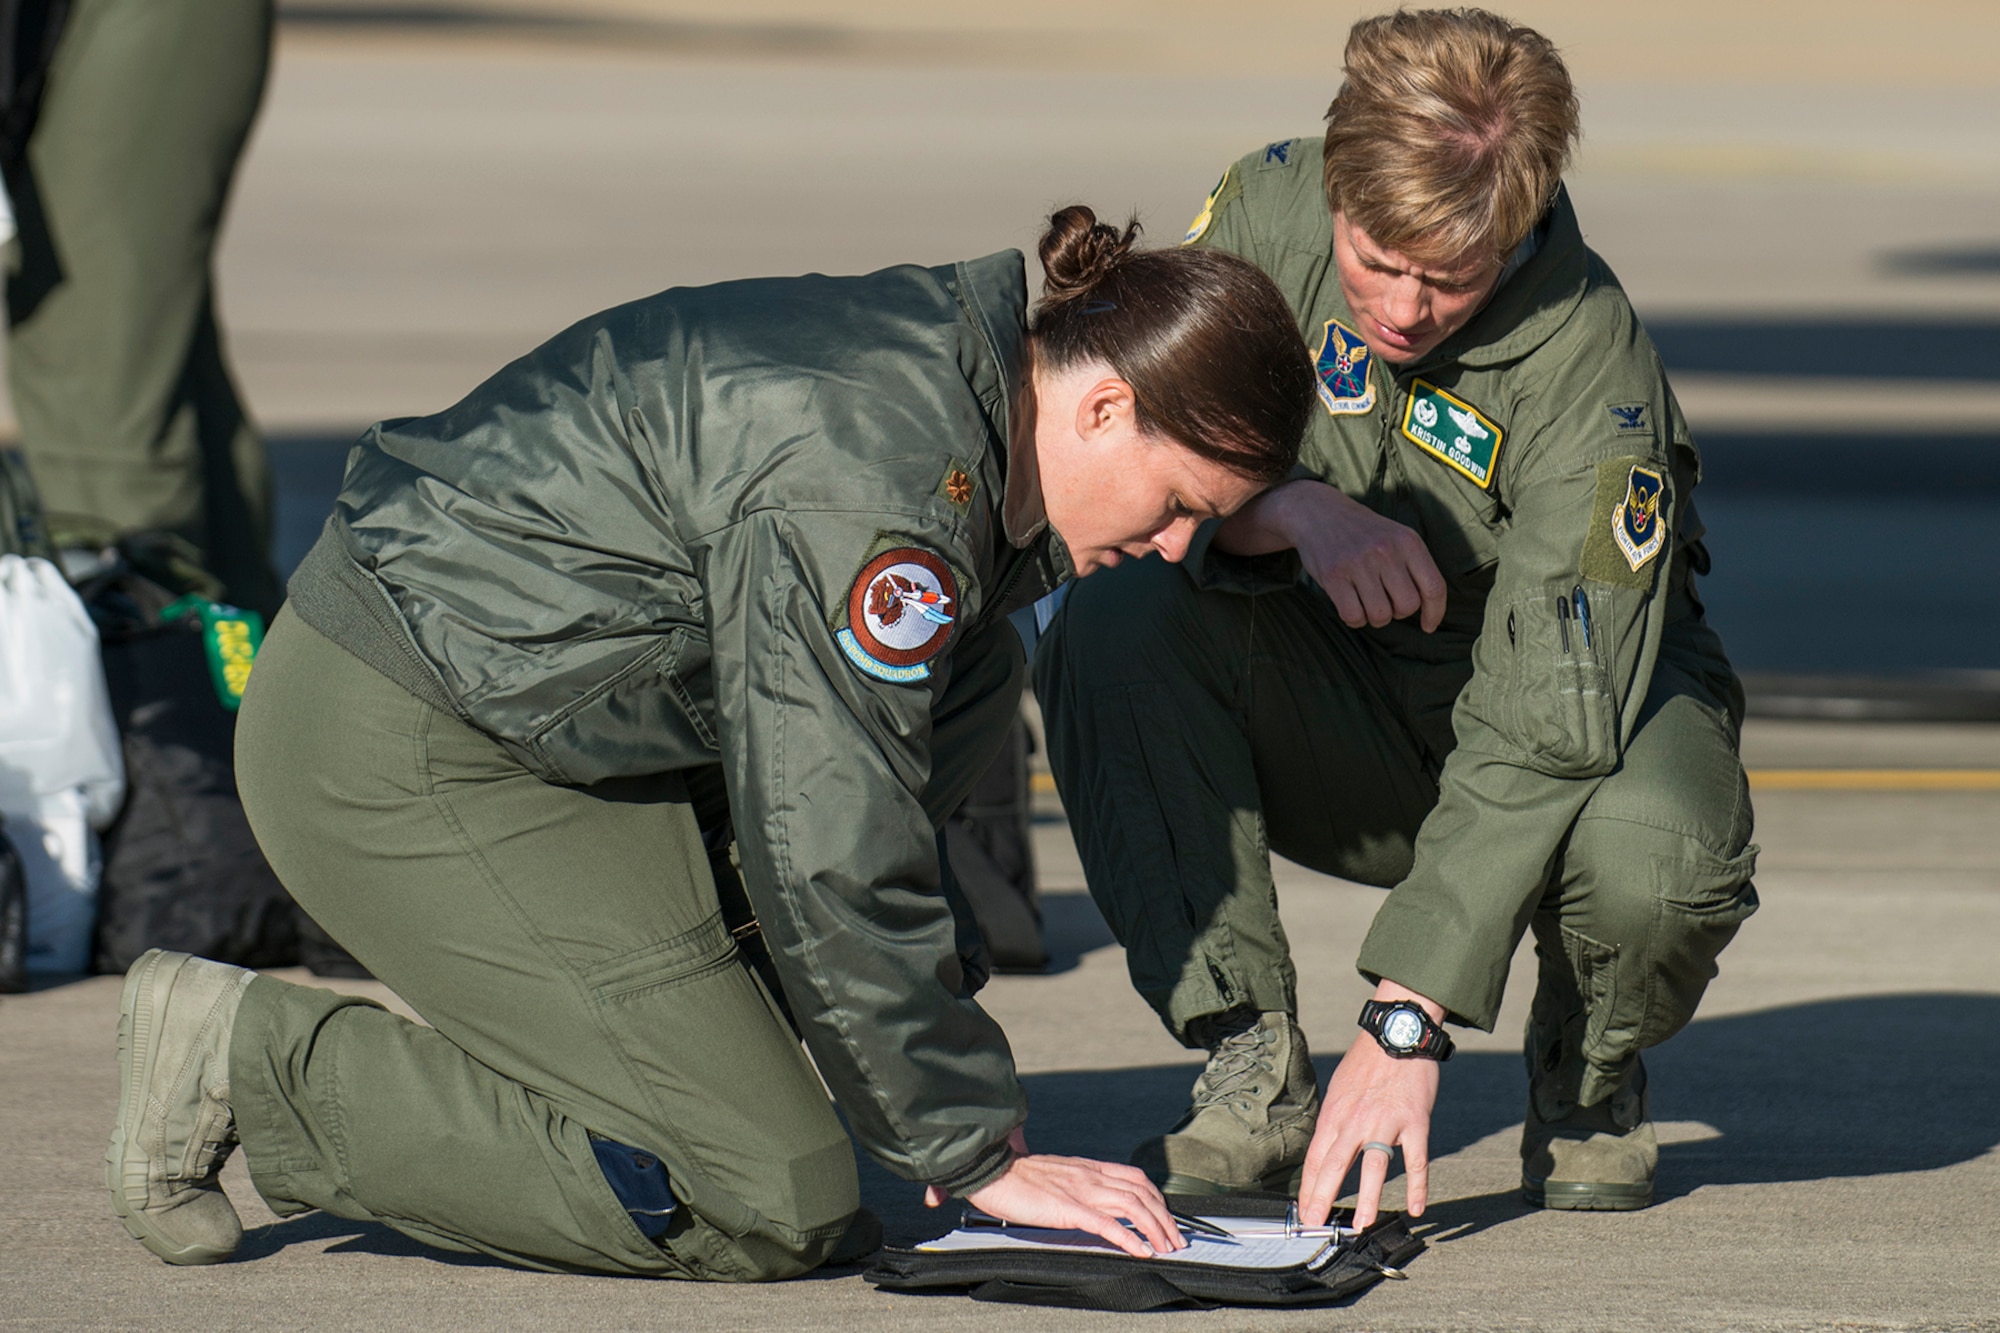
pixel 1143 621
pixel 767 1249
pixel 1644 913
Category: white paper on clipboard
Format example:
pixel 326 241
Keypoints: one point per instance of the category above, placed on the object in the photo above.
pixel 1261 1245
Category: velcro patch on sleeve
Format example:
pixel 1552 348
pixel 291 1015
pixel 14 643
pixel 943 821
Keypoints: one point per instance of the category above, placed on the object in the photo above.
pixel 900 611
pixel 1628 523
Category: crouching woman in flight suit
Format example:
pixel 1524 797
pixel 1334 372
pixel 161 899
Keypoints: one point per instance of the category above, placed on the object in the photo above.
pixel 724 563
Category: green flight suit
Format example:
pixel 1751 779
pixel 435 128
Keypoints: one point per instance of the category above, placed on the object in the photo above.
pixel 1510 770
pixel 735 557
pixel 129 416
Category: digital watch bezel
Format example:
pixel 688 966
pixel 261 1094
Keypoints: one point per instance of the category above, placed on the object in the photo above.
pixel 1388 1021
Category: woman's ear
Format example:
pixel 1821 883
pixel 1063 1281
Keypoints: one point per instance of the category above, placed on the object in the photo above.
pixel 1107 407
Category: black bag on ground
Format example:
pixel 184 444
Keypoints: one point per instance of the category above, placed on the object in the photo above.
pixel 1113 1282
pixel 181 868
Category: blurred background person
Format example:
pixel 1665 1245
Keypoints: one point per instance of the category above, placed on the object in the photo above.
pixel 122 126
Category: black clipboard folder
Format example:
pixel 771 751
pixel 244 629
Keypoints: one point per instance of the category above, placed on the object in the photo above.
pixel 1096 1280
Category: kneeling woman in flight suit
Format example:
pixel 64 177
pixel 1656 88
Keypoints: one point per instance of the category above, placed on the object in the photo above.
pixel 725 563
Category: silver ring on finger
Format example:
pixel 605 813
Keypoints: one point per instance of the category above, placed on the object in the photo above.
pixel 1383 1148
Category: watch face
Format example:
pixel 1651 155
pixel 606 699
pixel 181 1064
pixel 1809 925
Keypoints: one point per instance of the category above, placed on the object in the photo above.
pixel 1403 1030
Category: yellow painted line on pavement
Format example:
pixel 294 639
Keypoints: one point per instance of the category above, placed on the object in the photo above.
pixel 1875 779
pixel 1801 779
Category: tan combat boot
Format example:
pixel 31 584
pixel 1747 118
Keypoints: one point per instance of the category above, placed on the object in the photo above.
pixel 175 1128
pixel 1598 1158
pixel 1252 1117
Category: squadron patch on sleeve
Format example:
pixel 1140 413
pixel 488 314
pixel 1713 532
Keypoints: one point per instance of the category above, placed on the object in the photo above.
pixel 1453 431
pixel 1220 195
pixel 1342 361
pixel 1628 524
pixel 899 614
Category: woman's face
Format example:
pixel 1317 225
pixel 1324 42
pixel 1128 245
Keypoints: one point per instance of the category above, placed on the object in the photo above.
pixel 1112 492
pixel 1404 309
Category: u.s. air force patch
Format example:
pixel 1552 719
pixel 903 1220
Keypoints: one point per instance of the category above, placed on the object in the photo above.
pixel 1628 523
pixel 899 614
pixel 1342 361
pixel 1453 431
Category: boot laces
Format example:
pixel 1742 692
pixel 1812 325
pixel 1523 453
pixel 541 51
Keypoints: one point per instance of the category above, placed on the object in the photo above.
pixel 1237 1060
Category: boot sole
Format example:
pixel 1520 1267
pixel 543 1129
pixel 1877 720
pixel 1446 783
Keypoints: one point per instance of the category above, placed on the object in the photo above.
pixel 125 1173
pixel 1587 1196
pixel 1280 1184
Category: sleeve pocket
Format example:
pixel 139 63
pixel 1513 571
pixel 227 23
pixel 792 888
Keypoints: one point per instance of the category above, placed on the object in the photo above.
pixel 1552 695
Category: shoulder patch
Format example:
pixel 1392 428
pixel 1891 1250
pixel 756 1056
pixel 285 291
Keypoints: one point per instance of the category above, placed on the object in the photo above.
pixel 1453 431
pixel 1628 522
pixel 1277 154
pixel 1631 418
pixel 1225 190
pixel 1343 362
pixel 899 614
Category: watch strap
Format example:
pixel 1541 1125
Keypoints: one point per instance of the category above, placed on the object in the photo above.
pixel 1433 1043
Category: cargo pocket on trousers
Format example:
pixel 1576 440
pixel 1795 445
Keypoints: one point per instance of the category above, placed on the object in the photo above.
pixel 1700 899
pixel 694 954
pixel 1593 967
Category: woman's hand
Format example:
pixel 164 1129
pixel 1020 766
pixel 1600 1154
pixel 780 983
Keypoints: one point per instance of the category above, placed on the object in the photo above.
pixel 1076 1194
pixel 1372 1097
pixel 1373 568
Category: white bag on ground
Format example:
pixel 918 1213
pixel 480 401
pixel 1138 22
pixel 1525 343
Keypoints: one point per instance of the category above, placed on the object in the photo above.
pixel 61 775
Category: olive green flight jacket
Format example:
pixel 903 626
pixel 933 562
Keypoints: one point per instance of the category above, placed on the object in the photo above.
pixel 635 550
pixel 1522 449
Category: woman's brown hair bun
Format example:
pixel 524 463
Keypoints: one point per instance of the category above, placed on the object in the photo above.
pixel 1077 251
pixel 1211 350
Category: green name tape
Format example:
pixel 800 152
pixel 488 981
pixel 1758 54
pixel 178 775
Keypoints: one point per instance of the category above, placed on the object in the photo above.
pixel 232 637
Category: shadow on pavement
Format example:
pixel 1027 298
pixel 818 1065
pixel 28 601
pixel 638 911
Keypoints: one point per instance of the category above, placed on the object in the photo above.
pixel 1071 928
pixel 1856 350
pixel 1874 1085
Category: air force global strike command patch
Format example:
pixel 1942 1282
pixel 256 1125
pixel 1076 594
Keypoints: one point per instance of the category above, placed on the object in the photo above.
pixel 1342 362
pixel 899 615
pixel 1453 431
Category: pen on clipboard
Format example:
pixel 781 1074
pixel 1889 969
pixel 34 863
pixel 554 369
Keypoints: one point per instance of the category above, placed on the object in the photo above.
pixel 974 1218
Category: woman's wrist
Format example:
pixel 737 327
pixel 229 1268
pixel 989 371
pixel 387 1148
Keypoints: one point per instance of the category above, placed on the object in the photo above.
pixel 1392 991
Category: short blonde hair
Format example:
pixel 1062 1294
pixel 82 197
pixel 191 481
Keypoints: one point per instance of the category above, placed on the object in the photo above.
pixel 1450 135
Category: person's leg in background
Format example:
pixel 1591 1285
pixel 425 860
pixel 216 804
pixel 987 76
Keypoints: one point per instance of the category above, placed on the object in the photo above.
pixel 128 413
pixel 567 945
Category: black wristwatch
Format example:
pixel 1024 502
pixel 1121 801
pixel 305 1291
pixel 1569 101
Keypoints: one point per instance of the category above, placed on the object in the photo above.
pixel 1405 1031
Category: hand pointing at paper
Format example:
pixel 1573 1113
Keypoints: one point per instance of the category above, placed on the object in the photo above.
pixel 1373 1100
pixel 1076 1194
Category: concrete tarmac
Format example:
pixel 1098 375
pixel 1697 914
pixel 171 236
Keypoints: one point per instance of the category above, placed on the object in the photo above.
pixel 1830 1124
pixel 1774 183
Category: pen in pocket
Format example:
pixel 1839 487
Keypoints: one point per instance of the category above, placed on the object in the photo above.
pixel 1582 613
pixel 1562 619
